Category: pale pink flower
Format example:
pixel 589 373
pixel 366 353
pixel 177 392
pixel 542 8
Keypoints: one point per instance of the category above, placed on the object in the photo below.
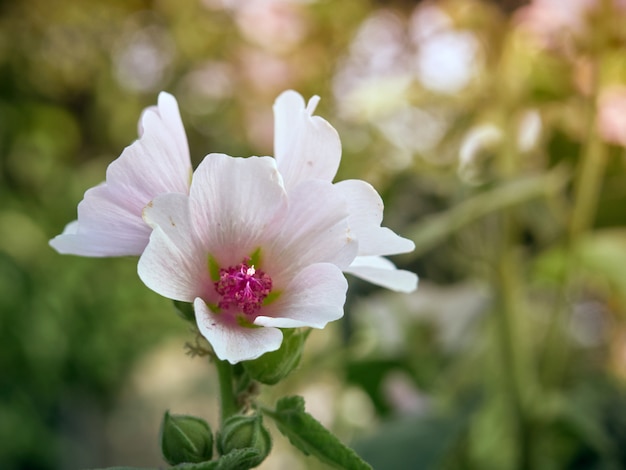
pixel 612 114
pixel 250 255
pixel 553 21
pixel 306 148
pixel 109 216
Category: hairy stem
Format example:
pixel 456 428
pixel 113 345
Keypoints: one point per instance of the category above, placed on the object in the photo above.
pixel 228 404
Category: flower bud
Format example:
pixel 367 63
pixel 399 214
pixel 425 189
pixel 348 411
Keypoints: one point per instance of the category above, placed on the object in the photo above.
pixel 240 432
pixel 274 366
pixel 185 439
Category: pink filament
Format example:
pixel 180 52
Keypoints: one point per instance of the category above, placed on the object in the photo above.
pixel 243 287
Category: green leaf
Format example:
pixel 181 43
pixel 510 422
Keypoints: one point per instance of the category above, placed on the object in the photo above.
pixel 433 230
pixel 185 311
pixel 239 459
pixel 421 441
pixel 123 468
pixel 308 435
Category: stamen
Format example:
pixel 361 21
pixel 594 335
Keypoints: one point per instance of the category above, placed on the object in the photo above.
pixel 243 287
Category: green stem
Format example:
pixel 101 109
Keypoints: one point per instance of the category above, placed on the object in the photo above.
pixel 228 403
pixel 509 314
pixel 587 189
pixel 508 336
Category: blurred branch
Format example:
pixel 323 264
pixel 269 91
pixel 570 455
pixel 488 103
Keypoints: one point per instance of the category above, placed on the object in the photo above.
pixel 436 228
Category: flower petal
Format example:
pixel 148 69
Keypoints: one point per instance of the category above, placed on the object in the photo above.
pixel 314 297
pixel 109 216
pixel 106 226
pixel 158 162
pixel 173 264
pixel 314 230
pixel 366 213
pixel 233 203
pixel 232 342
pixel 305 146
pixel 382 272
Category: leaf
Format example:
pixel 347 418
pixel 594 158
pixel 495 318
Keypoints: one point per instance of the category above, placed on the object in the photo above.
pixel 436 228
pixel 310 437
pixel 239 459
pixel 419 441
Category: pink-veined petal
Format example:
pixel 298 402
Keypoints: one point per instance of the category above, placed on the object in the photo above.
pixel 314 297
pixel 172 264
pixel 382 272
pixel 105 227
pixel 158 162
pixel 314 230
pixel 305 146
pixel 232 342
pixel 109 216
pixel 366 213
pixel 234 202
pixel 167 110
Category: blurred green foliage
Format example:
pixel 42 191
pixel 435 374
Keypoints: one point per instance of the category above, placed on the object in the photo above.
pixel 496 138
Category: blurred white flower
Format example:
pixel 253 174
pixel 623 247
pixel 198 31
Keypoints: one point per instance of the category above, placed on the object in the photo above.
pixel 142 59
pixel 477 151
pixel 529 130
pixel 447 59
pixel 612 114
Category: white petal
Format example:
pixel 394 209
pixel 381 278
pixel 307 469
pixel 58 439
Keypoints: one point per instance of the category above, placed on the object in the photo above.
pixel 158 162
pixel 305 146
pixel 172 264
pixel 109 216
pixel 234 201
pixel 315 230
pixel 366 213
pixel 105 227
pixel 313 298
pixel 232 342
pixel 382 272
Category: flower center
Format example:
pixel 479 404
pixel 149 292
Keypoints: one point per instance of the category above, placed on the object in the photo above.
pixel 243 287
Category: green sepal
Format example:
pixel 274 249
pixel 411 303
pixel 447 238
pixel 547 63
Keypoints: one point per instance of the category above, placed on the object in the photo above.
pixel 311 438
pixel 274 366
pixel 214 268
pixel 241 432
pixel 185 439
pixel 255 257
pixel 185 310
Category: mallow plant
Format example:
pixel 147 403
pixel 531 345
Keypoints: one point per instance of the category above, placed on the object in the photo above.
pixel 254 253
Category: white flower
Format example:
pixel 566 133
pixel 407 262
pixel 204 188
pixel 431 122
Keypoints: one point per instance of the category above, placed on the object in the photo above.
pixel 109 216
pixel 306 148
pixel 251 256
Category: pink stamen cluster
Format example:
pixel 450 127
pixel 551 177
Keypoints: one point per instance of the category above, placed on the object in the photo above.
pixel 243 287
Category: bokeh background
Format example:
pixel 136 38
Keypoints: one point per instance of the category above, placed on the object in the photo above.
pixel 495 132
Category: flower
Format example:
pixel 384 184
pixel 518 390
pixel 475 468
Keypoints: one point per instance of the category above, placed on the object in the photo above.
pixel 109 216
pixel 307 147
pixel 250 255
pixel 612 114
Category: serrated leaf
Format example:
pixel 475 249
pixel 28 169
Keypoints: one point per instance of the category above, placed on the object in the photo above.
pixel 309 436
pixel 122 468
pixel 239 459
